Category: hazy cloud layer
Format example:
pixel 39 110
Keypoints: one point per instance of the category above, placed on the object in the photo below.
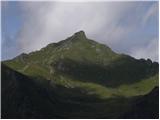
pixel 152 11
pixel 111 23
pixel 51 22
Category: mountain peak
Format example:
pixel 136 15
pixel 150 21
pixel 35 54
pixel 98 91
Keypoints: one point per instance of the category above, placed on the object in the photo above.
pixel 80 34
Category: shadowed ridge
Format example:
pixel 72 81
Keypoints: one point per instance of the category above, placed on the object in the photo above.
pixel 80 34
pixel 145 107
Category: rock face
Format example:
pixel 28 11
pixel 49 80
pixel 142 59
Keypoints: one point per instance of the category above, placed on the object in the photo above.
pixel 79 78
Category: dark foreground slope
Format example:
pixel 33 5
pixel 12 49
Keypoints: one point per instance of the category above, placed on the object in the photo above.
pixel 23 97
pixel 146 107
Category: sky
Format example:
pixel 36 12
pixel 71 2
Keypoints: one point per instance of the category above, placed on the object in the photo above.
pixel 126 27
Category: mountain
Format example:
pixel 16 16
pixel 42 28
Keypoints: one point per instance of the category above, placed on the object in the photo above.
pixel 22 97
pixel 78 74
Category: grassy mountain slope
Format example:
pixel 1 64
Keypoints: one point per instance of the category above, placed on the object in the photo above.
pixel 23 97
pixel 80 73
pixel 79 59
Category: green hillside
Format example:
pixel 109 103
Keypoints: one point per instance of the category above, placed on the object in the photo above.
pixel 79 69
pixel 81 60
pixel 24 97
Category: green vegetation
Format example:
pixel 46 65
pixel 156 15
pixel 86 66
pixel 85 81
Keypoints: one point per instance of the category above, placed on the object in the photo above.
pixel 139 88
pixel 79 62
pixel 77 78
pixel 15 64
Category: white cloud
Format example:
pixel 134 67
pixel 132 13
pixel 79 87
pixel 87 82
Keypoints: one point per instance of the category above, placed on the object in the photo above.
pixel 47 22
pixel 150 13
pixel 147 51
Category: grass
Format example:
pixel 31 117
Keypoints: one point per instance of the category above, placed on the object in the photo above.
pixel 139 88
pixel 38 71
pixel 38 64
pixel 16 65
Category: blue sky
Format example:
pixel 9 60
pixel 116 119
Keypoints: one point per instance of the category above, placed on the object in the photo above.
pixel 12 21
pixel 126 27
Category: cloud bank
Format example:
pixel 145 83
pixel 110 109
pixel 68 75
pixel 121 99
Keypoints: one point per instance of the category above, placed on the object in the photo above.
pixel 51 22
pixel 111 23
pixel 148 51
